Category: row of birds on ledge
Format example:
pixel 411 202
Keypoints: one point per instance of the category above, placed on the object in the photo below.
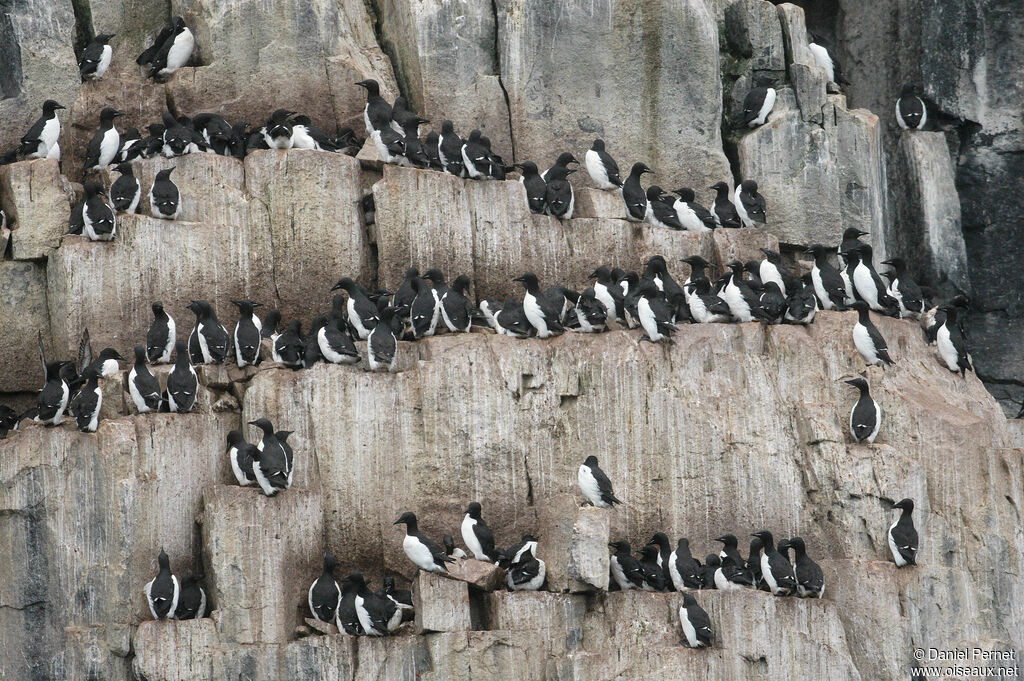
pixel 653 301
pixel 357 610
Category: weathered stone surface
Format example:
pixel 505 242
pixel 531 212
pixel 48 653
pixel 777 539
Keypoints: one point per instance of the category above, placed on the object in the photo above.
pixel 211 186
pixel 36 49
pixel 151 259
pixel 106 503
pixel 37 201
pixel 753 30
pixel 556 619
pixel 23 313
pixel 477 573
pixel 261 550
pixel 599 203
pixel 316 223
pixel 809 80
pixel 307 58
pixel 441 604
pixel 931 214
pixel 846 187
pixel 573 543
pixel 420 215
pixel 740 244
pixel 445 58
pixel 558 103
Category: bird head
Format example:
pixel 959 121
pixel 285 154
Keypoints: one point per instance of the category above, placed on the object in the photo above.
pixel 406 518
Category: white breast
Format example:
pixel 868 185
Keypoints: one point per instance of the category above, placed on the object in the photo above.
pixel 468 536
pixel 946 349
pixel 864 345
pixel 180 52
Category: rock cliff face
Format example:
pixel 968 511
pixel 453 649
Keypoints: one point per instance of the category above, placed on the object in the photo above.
pixel 732 428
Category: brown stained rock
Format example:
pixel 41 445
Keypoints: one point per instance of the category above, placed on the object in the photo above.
pixel 251 542
pixel 37 201
pixel 441 603
pixel 573 543
pixel 753 30
pixel 23 314
pixel 741 244
pixel 320 627
pixel 477 573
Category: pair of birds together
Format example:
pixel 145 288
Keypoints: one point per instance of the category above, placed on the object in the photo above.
pixel 95 219
pixel 355 608
pixel 270 463
pixel 171 50
pixel 72 388
pixel 524 571
pixel 170 599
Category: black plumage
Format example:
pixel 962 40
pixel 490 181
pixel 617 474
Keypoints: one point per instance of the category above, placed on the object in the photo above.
pixel 685 570
pixel 902 535
pixel 164 197
pixel 696 623
pixel 162 591
pixel 161 336
pixel 182 381
pixel 776 570
pixel 654 578
pixel 125 191
pixel 662 213
pixel 192 602
pixel 52 399
pixel 633 193
pixel 143 386
pixel 810 580
pixel 536 187
pixel 828 284
pixel 106 143
pixel 449 149
pixel 626 570
pixel 95 57
pixel 559 200
pixel 85 406
pixel 324 592
pixel 382 343
pixel 209 342
pixel 247 334
pixel 362 314
pixel 336 345
pixel 724 209
pixel 346 618
pixel 289 348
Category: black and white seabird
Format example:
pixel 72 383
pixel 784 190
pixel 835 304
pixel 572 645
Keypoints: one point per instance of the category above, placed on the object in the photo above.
pixel 590 315
pixel 660 539
pixel 904 290
pixel 510 320
pixel 209 341
pixel 96 56
pixel 603 169
pixel 776 570
pixel 278 133
pixel 161 336
pixel 240 456
pixel 475 157
pixel 951 344
pixel 125 191
pixel 822 57
pixel 828 284
pixel 218 134
pixel 866 415
pixel 248 333
pixel 595 485
pixel 705 306
pixel 324 592
pixel 536 187
pixel 336 345
pixel 377 616
pixel 53 398
pixel 724 209
pixel 44 134
pixel 608 293
pixel 424 312
pixel 750 205
pixel 191 599
pixel 563 161
pixel 414 151
pixel 363 315
pixel 810 580
pixel 698 266
pixel 382 344
pixel 933 319
pixel 453 301
pixel 542 314
pixel 106 143
pixel 170 51
pixel 730 575
pixel 182 382
pixel 730 549
pixel 377 112
pixel 476 535
pixel 526 571
pixel 867 339
pixel 695 623
pixel 559 199
pixel 662 212
pixel 654 312
pixel 868 285
pixel 625 569
pixel 85 406
pixel 773 269
pixel 911 113
pixel 391 146
pixel 178 139
pixel 143 386
pixel 423 552
pixel 902 535
pixel 449 150
pixel 131 146
pixel 289 348
pixel 271 468
pixel 754 563
pixel 744 304
pixel 633 194
pixel 163 590
pixel 757 105
pixel 305 135
pixel 692 216
pixel 402 598
pixel 773 303
pixel 685 570
pixel 654 577
pixel 656 270
pixel 164 197
pixel 851 242
pixel 346 618
pixel 802 304
pixel 98 221
pixel 450 549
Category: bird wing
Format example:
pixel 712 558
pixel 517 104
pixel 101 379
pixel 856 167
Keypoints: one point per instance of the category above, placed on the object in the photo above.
pixel 438 553
pixel 85 356
pixel 150 52
pixel 604 485
pixel 42 354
